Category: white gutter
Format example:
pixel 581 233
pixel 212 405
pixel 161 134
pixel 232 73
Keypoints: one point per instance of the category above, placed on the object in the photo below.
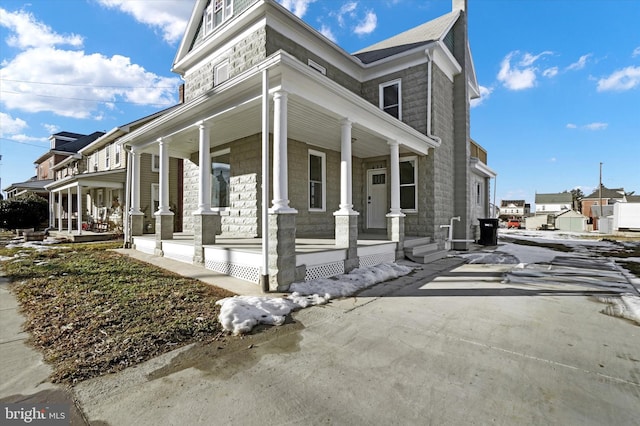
pixel 428 52
pixel 128 243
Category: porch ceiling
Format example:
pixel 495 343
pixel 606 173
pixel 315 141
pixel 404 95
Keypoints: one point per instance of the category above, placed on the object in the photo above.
pixel 306 123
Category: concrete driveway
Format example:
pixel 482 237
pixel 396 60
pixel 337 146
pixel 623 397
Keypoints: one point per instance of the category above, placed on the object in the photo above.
pixel 449 345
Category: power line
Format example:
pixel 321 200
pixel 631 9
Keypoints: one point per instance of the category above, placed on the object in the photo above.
pixel 87 85
pixel 22 143
pixel 80 99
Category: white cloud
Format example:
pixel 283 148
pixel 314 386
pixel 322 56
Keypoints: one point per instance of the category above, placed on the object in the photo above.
pixel 553 159
pixel 27 32
pixel 550 72
pixel 514 78
pixel 45 77
pixel 346 9
pixel 528 59
pixel 10 125
pixel 169 16
pixel 580 63
pixel 485 92
pixel 297 7
pixel 621 80
pixel 326 31
pixel 51 128
pixel 367 25
pixel 591 126
pixel 596 126
pixel 636 52
pixel 78 84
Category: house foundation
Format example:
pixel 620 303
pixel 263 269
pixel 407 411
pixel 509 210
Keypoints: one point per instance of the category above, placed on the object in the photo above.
pixel 282 244
pixel 347 237
pixel 204 233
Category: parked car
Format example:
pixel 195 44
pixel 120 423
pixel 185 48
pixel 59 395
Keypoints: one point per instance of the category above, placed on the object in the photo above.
pixel 514 223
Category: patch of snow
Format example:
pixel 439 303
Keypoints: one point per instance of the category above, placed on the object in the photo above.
pixel 626 306
pixel 239 314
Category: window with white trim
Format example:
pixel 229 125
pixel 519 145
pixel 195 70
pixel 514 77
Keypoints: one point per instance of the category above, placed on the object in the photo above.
pixel 155 197
pixel 220 177
pixel 107 157
pixel 155 163
pixel 216 12
pixel 317 180
pixel 408 187
pixel 221 72
pixel 118 154
pixel 391 98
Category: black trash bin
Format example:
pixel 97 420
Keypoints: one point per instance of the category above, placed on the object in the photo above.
pixel 488 232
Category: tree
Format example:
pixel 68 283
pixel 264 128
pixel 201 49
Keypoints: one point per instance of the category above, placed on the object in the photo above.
pixel 578 195
pixel 27 211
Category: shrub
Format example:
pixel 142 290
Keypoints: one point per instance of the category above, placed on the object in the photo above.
pixel 28 211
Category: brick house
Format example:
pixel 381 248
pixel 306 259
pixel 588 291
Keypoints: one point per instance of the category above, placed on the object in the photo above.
pixel 601 196
pixel 301 160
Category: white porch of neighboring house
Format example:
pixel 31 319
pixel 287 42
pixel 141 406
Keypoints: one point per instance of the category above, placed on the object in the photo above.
pixel 290 101
pixel 84 198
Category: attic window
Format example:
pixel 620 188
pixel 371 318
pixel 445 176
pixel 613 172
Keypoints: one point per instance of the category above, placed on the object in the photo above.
pixel 316 66
pixel 221 72
pixel 216 12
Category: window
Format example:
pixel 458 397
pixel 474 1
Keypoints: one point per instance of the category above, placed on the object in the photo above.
pixel 155 163
pixel 408 179
pixel 478 193
pixel 107 151
pixel 317 179
pixel 316 66
pixel 221 72
pixel 391 98
pixel 216 12
pixel 220 176
pixel 155 197
pixel 116 159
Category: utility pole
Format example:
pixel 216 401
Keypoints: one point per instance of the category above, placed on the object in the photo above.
pixel 600 202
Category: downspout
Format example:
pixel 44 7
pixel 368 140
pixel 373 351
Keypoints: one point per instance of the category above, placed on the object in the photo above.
pixel 429 53
pixel 127 202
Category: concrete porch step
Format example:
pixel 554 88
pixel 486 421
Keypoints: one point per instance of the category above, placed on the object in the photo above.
pixel 428 257
pixel 414 242
pixel 421 249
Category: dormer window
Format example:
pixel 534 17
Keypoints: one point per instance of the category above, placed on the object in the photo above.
pixel 216 12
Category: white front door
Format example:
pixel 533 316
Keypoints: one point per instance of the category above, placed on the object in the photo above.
pixel 377 198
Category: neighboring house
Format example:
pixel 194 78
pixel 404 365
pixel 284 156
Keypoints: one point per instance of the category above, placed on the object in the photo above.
pixel 372 144
pixel 514 209
pixel 602 196
pixel 61 146
pixel 94 179
pixel 480 186
pixel 553 203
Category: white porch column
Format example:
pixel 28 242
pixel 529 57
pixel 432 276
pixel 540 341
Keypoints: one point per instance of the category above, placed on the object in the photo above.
pixel 280 200
pixel 163 207
pixel 394 153
pixel 204 191
pixel 60 211
pixel 346 200
pixel 135 182
pixel 52 213
pixel 69 210
pixel 79 202
pixel 395 217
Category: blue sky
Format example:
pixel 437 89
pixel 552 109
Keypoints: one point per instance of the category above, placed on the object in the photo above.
pixel 560 79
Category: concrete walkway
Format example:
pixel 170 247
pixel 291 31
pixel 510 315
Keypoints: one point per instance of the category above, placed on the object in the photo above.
pixel 23 373
pixel 449 345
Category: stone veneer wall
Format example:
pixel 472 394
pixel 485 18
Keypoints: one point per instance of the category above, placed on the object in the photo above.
pixel 243 55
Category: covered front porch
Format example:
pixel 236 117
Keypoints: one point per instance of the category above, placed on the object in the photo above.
pixel 242 257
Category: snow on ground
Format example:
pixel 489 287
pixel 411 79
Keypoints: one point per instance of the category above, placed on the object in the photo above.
pixel 239 314
pixel 626 306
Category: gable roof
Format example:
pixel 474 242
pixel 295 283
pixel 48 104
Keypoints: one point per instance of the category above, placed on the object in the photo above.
pixel 562 197
pixel 75 146
pixel 606 193
pixel 423 34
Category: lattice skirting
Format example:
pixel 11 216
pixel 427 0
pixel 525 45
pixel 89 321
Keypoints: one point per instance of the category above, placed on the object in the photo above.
pixel 243 272
pixel 324 271
pixel 376 259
